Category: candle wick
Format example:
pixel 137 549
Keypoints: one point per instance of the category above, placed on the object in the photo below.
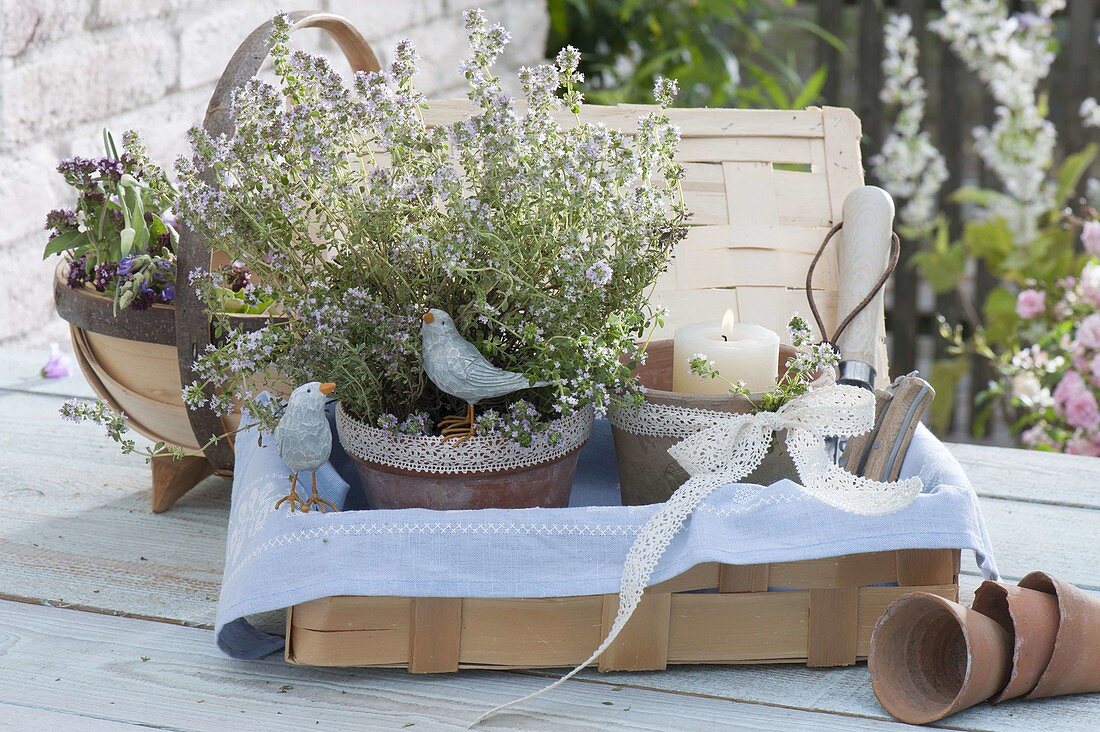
pixel 724 337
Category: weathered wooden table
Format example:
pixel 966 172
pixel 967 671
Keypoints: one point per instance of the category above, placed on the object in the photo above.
pixel 106 611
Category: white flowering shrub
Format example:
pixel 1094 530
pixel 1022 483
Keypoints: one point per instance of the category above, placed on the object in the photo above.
pixel 1011 53
pixel 908 165
pixel 541 238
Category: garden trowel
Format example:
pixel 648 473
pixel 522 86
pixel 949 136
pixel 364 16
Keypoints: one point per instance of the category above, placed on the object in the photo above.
pixel 862 258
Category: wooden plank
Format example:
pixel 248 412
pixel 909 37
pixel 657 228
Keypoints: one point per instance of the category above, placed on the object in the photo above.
pixel 692 122
pixel 1029 536
pixel 1029 475
pixel 843 164
pixel 81 533
pixel 436 634
pixel 750 193
pixel 850 570
pixel 743 578
pixel 340 648
pixel 700 577
pixel 507 632
pixel 163 676
pixel 353 613
pixel 747 267
pixel 20 717
pixel 903 316
pixel 755 234
pixel 1080 60
pixel 642 645
pixel 797 150
pixel 20 371
pixel 764 625
pixel 927 567
pixel 869 52
pixel 833 626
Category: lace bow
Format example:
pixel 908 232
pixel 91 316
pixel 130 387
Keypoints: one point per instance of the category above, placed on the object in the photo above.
pixel 724 448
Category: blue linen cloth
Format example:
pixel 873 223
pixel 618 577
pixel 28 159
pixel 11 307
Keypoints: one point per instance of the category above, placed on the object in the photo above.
pixel 275 559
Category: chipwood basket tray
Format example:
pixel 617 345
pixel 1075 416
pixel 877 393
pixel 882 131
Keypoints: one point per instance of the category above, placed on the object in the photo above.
pixel 764 187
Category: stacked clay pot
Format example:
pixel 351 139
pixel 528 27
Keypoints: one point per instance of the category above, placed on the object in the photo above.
pixel 931 657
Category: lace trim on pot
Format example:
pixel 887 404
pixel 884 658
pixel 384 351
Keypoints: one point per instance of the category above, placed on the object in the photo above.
pixel 431 454
pixel 651 419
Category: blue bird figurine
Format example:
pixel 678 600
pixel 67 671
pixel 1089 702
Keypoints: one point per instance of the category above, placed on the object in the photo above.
pixel 457 367
pixel 304 441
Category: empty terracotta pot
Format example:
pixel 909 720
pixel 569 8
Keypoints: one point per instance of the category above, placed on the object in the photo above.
pixel 931 657
pixel 1074 666
pixel 1031 618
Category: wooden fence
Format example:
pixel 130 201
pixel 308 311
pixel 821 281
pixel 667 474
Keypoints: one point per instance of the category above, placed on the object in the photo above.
pixel 957 103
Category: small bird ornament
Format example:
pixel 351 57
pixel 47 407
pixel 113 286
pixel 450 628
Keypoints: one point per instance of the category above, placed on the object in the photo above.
pixel 458 368
pixel 304 441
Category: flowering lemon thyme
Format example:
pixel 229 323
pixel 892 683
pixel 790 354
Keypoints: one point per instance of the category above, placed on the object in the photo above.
pixel 539 233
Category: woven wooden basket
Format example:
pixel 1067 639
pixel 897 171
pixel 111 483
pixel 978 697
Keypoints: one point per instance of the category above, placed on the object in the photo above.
pixel 764 188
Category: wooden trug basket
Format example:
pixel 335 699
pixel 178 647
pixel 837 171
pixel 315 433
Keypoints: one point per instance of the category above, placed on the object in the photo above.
pixel 764 188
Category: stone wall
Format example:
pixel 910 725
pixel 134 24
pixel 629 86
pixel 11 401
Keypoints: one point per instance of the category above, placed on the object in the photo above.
pixel 68 68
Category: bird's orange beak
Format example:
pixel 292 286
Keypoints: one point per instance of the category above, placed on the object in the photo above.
pixel 429 318
pixel 326 388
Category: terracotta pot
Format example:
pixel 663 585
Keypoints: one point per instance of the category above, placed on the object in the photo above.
pixel 543 486
pixel 1074 666
pixel 406 471
pixel 1031 619
pixel 647 473
pixel 931 657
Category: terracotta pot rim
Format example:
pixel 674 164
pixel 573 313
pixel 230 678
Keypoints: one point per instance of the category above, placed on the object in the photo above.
pixel 1074 664
pixel 492 472
pixel 422 455
pixel 1031 618
pixel 900 693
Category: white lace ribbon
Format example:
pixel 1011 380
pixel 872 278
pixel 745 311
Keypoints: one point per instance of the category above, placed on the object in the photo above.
pixel 727 447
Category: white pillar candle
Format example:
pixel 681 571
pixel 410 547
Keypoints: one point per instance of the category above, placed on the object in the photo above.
pixel 740 352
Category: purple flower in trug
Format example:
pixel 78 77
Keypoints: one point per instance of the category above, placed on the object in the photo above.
pixel 109 168
pixel 61 218
pixel 239 276
pixel 78 273
pixel 168 294
pixel 58 366
pixel 125 265
pixel 102 275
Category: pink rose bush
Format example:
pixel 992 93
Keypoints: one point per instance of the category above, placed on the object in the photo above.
pixel 1090 237
pixel 1053 374
pixel 1031 303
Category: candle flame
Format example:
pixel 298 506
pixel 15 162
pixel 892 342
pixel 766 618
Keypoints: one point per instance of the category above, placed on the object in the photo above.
pixel 728 321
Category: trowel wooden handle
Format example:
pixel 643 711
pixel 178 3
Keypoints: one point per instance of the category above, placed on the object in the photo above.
pixel 862 258
pixel 912 396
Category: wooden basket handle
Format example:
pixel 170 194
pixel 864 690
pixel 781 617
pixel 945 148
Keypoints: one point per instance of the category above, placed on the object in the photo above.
pixel 192 323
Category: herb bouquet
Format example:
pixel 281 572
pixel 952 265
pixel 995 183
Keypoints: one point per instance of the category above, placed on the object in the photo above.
pixel 117 287
pixel 540 238
pixel 120 237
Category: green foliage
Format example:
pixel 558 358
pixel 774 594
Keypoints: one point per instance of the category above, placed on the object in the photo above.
pixel 725 53
pixel 941 263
